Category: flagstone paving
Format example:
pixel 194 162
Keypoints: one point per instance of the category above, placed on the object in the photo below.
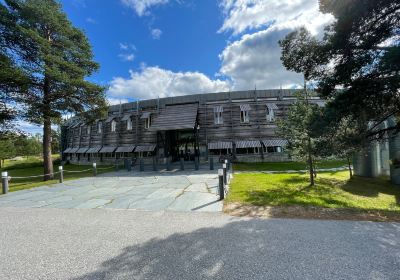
pixel 175 191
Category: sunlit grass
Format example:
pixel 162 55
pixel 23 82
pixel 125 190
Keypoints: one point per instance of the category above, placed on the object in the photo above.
pixel 332 190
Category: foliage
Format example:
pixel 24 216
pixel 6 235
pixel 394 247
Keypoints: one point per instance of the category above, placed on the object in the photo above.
pixel 362 47
pixel 332 190
pixel 56 57
pixel 297 128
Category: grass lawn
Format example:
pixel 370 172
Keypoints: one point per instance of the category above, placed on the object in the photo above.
pixel 34 166
pixel 290 165
pixel 332 190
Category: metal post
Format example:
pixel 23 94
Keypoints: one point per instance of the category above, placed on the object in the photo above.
pixel 60 168
pixel 196 163
pixel 94 169
pixel 224 174
pixel 221 184
pixel 129 164
pixel 211 163
pixel 4 177
pixel 141 164
pixel 154 164
pixel 182 164
pixel 168 164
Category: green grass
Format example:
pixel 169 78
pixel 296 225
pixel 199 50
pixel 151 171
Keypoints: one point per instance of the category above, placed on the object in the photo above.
pixel 332 190
pixel 290 165
pixel 34 166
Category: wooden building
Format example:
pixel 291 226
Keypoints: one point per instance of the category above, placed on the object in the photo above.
pixel 239 124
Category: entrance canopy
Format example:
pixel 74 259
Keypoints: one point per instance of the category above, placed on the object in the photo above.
pixel 175 118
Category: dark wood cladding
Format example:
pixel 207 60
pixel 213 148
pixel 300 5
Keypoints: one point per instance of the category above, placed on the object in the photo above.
pixel 258 127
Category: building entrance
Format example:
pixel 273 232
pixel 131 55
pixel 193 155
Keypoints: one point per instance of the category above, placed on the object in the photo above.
pixel 181 144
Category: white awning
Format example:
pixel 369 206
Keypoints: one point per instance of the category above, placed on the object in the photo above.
pixel 73 150
pixel 245 107
pixel 110 118
pixel 82 150
pixel 107 150
pixel 218 109
pixel 145 115
pixel 219 145
pixel 93 150
pixel 144 148
pixel 272 106
pixel 67 151
pixel 275 142
pixel 248 144
pixel 126 149
pixel 126 117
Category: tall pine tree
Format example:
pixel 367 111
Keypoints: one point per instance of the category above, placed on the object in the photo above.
pixel 56 58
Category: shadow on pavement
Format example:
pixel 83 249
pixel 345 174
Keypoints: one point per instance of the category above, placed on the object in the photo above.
pixel 264 249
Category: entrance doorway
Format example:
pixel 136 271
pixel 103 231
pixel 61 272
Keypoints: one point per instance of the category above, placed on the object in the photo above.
pixel 181 144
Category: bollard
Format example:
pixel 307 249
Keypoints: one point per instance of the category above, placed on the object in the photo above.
pixel 129 165
pixel 4 180
pixel 168 165
pixel 196 163
pixel 60 168
pixel 141 165
pixel 116 165
pixel 211 163
pixel 224 174
pixel 182 164
pixel 154 164
pixel 94 169
pixel 221 184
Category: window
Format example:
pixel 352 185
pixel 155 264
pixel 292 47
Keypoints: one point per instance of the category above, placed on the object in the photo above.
pixel 218 118
pixel 147 122
pixel 274 149
pixel 129 124
pixel 113 125
pixel 88 130
pixel 99 127
pixel 244 116
pixel 270 115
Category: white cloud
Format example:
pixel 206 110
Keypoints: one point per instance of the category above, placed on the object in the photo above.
pixel 254 59
pixel 91 20
pixel 156 33
pixel 116 101
pixel 142 7
pixel 123 46
pixel 32 128
pixel 242 15
pixel 151 82
pixel 127 56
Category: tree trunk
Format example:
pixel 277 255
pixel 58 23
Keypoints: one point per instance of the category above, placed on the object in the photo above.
pixel 1 163
pixel 47 160
pixel 349 165
pixel 311 169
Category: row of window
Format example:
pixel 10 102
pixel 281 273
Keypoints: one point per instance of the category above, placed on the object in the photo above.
pixel 129 125
pixel 243 151
pixel 244 116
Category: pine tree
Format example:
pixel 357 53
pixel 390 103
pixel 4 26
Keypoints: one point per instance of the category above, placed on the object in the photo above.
pixel 57 58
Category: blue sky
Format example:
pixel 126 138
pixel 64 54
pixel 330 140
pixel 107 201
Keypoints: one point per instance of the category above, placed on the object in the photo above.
pixel 151 48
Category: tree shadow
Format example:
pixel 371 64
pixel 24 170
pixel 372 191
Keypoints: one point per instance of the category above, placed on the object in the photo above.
pixel 260 249
pixel 371 187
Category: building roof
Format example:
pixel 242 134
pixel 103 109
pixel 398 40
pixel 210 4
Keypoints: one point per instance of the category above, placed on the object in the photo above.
pixel 176 117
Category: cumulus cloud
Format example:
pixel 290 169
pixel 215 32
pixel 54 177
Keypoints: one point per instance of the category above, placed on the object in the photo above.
pixel 254 59
pixel 127 56
pixel 141 7
pixel 242 15
pixel 151 82
pixel 156 33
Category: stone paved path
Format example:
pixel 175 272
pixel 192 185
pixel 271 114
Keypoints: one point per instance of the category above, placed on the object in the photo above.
pixel 175 191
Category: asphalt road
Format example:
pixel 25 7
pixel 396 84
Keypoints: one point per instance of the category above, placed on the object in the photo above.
pixel 132 244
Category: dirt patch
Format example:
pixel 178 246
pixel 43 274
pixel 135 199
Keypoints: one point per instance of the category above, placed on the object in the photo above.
pixel 304 212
